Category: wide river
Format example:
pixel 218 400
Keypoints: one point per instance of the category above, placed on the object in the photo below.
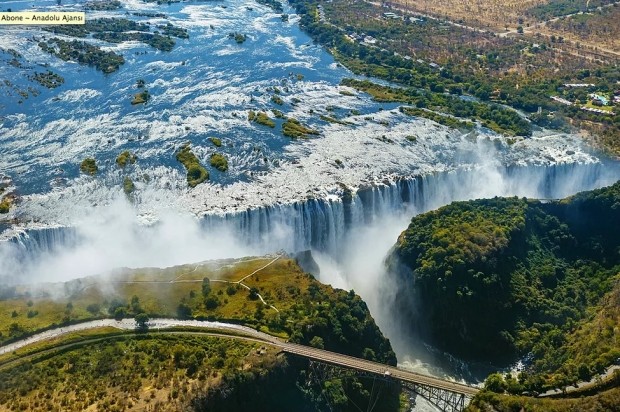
pixel 277 194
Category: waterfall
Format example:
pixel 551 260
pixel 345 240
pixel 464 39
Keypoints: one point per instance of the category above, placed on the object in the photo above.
pixel 36 242
pixel 323 224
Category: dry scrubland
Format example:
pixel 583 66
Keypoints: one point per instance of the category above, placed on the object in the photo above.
pixel 489 14
pixel 596 31
pixel 599 27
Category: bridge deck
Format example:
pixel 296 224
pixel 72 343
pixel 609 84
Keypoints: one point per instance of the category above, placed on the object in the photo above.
pixel 377 368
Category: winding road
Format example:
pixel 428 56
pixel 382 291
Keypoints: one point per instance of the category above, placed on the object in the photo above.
pixel 233 331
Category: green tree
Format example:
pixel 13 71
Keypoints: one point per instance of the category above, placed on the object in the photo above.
pixel 231 290
pixel 135 304
pixel 184 311
pixel 212 302
pixel 119 313
pixel 495 383
pixel 93 308
pixel 584 372
pixel 142 320
pixel 192 364
pixel 15 329
pixel 317 342
pixel 253 295
pixel 206 287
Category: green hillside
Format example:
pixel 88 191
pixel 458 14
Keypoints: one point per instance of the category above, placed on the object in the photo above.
pixel 184 371
pixel 499 278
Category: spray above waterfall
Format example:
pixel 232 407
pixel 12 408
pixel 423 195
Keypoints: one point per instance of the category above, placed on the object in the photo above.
pixel 349 234
pixel 111 236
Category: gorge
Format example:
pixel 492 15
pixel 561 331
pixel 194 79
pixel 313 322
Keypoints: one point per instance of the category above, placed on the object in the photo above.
pixel 344 191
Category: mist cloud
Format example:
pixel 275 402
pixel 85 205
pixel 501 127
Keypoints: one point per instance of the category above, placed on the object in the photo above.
pixel 112 236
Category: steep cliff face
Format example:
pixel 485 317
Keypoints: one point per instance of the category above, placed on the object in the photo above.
pixel 497 277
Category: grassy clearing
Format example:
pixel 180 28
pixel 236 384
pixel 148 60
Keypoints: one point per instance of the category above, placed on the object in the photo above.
pixel 157 294
pixel 589 105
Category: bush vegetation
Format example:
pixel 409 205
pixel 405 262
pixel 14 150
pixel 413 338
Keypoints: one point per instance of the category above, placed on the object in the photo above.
pixel 438 118
pixel 219 161
pixel 89 166
pixel 511 277
pixel 118 30
pixel 434 58
pixel 261 118
pixel 128 186
pixel 102 5
pixel 604 402
pixel 172 371
pixel 294 129
pixel 216 141
pixel 556 8
pixel 496 118
pixel 141 98
pixel 196 173
pixel 5 204
pixel 83 53
pixel 125 158
pixel 239 37
pixel 274 4
pixel 49 79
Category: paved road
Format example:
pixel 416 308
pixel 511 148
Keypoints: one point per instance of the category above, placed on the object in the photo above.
pixel 581 386
pixel 300 350
pixel 130 324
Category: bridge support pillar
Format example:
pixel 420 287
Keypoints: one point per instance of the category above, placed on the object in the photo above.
pixel 446 401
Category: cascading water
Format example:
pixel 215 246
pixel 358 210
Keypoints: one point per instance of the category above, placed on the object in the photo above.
pixel 324 224
pixel 350 235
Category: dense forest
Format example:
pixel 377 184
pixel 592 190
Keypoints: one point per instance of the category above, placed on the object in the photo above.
pixel 506 277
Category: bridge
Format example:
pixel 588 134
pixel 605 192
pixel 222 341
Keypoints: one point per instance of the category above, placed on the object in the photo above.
pixel 446 395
